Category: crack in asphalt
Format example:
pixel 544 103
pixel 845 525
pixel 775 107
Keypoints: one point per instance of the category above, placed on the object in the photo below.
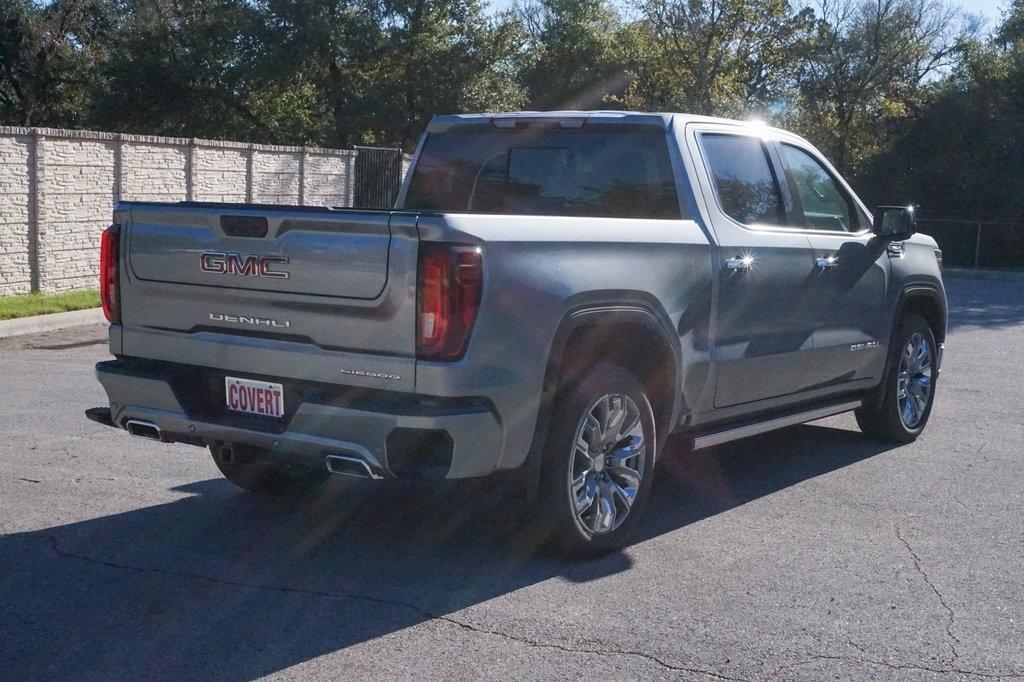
pixel 426 613
pixel 866 659
pixel 950 616
pixel 952 670
pixel 856 646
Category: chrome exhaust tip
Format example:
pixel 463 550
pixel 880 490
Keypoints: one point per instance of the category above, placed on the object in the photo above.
pixel 143 429
pixel 345 465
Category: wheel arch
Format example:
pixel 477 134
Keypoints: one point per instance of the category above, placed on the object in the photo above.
pixel 922 299
pixel 590 318
pixel 927 302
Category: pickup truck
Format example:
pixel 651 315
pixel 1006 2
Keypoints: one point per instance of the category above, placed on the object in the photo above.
pixel 552 296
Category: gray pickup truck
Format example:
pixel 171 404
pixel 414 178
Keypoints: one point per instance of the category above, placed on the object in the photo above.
pixel 552 296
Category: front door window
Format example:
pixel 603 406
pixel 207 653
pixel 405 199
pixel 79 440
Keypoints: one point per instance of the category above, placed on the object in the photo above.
pixel 826 206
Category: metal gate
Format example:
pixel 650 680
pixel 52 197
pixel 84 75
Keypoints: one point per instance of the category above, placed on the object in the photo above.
pixel 378 177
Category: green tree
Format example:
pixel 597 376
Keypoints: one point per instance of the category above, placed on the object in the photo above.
pixel 719 57
pixel 181 68
pixel 440 56
pixel 961 155
pixel 573 62
pixel 48 59
pixel 1011 32
pixel 384 69
pixel 870 65
pixel 330 46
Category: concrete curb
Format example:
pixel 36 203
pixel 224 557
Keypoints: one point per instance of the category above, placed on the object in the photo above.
pixel 45 323
pixel 988 275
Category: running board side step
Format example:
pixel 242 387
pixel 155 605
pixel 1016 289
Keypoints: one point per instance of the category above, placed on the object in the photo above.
pixel 737 432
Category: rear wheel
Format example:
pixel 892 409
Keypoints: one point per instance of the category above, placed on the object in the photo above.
pixel 598 461
pixel 255 470
pixel 898 410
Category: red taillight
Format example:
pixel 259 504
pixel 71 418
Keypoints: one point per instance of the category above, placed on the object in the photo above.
pixel 450 280
pixel 110 294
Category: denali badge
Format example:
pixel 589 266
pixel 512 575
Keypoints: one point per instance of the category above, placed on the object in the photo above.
pixel 864 346
pixel 255 321
pixel 236 264
pixel 372 375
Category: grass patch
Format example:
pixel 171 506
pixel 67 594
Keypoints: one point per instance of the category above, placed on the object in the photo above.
pixel 27 305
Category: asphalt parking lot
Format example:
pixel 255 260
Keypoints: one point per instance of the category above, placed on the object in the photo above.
pixel 802 554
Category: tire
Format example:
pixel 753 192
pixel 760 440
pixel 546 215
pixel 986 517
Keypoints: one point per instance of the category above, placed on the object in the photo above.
pixel 898 410
pixel 252 469
pixel 584 421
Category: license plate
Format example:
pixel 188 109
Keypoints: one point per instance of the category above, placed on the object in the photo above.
pixel 254 397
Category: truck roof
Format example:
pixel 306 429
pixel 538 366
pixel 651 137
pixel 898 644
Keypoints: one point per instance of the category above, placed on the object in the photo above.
pixel 663 119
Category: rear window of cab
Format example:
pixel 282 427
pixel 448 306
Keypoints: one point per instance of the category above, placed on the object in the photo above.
pixel 615 171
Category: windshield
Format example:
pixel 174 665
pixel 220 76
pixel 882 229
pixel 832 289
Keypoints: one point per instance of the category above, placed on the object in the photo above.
pixel 611 171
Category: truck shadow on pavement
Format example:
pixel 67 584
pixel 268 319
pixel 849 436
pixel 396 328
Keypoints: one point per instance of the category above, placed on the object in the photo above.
pixel 223 584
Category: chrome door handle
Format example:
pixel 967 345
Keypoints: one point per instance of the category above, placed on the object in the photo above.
pixel 827 262
pixel 739 263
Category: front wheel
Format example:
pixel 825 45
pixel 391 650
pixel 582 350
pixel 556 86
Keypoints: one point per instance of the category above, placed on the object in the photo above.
pixel 598 461
pixel 899 408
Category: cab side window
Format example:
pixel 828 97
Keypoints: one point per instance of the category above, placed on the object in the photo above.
pixel 826 206
pixel 744 180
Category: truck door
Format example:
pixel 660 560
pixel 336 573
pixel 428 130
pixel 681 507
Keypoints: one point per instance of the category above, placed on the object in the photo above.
pixel 848 296
pixel 765 269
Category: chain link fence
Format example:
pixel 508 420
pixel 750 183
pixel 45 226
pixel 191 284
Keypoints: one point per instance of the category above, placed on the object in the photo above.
pixel 977 243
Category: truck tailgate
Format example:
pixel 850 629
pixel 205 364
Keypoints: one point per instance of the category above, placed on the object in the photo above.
pixel 299 292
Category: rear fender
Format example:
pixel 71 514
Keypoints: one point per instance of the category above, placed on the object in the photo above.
pixel 601 309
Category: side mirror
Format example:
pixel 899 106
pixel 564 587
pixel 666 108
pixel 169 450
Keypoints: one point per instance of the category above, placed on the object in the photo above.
pixel 895 223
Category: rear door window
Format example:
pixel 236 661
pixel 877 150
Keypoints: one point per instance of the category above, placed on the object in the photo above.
pixel 747 188
pixel 615 171
pixel 826 206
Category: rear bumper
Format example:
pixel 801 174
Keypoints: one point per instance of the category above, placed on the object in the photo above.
pixel 381 428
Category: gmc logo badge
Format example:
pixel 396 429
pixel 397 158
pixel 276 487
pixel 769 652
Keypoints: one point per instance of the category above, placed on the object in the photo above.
pixel 247 266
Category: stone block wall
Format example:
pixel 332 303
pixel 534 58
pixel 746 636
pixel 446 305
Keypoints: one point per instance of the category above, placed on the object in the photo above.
pixel 74 195
pixel 17 211
pixel 58 189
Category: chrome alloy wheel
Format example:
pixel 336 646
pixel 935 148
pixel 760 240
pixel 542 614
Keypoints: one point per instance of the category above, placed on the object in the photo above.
pixel 607 463
pixel 914 385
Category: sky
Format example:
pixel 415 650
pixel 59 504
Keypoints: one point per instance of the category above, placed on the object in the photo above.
pixel 990 9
